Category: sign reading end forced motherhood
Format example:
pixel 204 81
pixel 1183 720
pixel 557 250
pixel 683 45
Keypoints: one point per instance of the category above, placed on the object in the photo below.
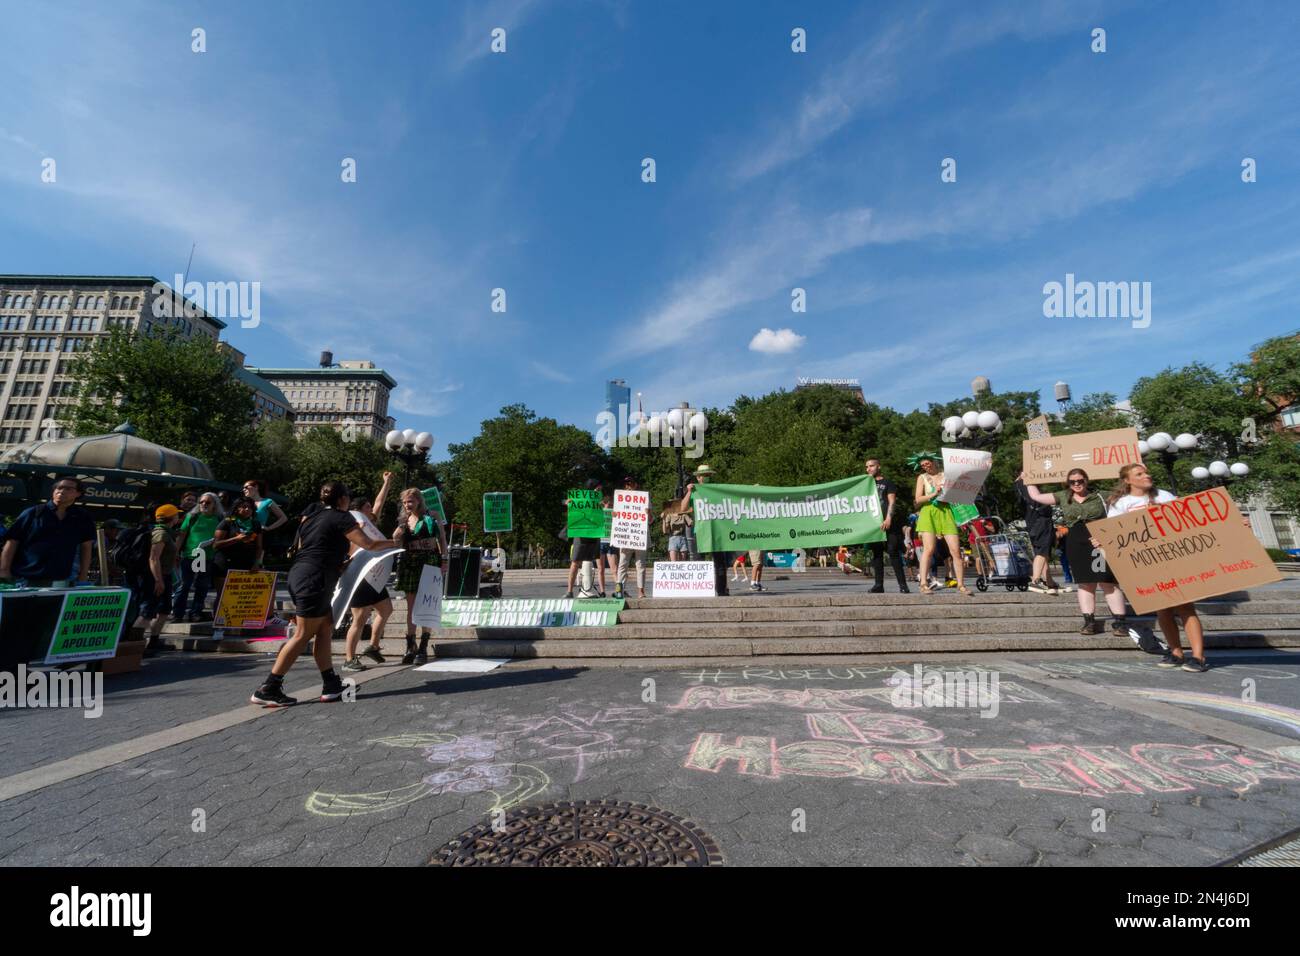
pixel 1184 550
pixel 683 579
pixel 1101 454
pixel 964 472
pixel 763 518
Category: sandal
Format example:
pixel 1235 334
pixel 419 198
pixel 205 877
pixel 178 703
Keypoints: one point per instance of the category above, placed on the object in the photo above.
pixel 961 588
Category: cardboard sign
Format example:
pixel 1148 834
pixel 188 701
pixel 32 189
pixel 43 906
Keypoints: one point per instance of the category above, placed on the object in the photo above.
pixel 964 471
pixel 497 516
pixel 1186 550
pixel 427 611
pixel 89 625
pixel 1038 428
pixel 631 529
pixel 362 564
pixel 683 579
pixel 625 500
pixel 1100 454
pixel 586 513
pixel 245 599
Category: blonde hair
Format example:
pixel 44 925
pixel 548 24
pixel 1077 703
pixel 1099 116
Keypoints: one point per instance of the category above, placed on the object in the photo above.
pixel 420 508
pixel 1125 487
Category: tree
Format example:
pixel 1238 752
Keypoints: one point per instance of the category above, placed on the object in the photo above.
pixel 182 394
pixel 1092 413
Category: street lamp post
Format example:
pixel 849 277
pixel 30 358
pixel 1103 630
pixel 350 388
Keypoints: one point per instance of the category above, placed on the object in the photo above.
pixel 973 429
pixel 409 447
pixel 674 426
pixel 1221 471
pixel 1167 447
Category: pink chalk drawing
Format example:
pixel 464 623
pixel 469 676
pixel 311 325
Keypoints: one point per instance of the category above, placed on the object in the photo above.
pixel 476 778
pixel 462 748
pixel 575 735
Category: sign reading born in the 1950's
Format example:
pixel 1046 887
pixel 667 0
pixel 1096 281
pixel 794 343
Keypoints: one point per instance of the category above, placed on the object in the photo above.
pixel 1186 550
pixel 1100 454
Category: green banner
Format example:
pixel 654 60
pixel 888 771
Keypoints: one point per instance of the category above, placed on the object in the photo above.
pixel 759 517
pixel 963 513
pixel 497 515
pixel 531 612
pixel 89 625
pixel 586 513
pixel 433 501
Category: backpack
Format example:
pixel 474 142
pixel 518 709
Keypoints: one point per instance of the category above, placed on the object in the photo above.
pixel 130 551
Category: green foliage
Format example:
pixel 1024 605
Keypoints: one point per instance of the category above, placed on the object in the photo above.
pixel 1092 413
pixel 1278 555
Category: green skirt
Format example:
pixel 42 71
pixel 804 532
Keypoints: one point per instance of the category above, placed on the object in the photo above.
pixel 936 518
pixel 409 566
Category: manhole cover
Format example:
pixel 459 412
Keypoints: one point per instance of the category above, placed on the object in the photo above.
pixel 583 833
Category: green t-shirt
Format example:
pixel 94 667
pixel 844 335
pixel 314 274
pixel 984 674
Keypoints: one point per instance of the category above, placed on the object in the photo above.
pixel 197 529
pixel 1091 508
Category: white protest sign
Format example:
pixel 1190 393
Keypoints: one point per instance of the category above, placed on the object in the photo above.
pixel 428 600
pixel 625 500
pixel 964 471
pixel 682 579
pixel 378 576
pixel 361 565
pixel 631 529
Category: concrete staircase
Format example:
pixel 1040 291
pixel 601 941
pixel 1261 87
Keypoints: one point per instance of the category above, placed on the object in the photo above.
pixel 851 621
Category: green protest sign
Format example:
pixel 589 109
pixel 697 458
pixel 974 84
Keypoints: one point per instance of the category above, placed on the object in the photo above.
pixel 586 513
pixel 963 513
pixel 531 612
pixel 496 511
pixel 759 517
pixel 433 501
pixel 89 625
pixel 607 528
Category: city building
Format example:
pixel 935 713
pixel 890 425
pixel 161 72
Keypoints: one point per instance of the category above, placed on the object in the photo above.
pixel 45 320
pixel 333 395
pixel 850 385
pixel 617 393
pixel 270 403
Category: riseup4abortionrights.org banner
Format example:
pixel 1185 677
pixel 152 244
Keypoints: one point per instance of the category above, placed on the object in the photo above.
pixel 758 517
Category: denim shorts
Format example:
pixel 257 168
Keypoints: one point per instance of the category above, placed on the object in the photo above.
pixel 677 543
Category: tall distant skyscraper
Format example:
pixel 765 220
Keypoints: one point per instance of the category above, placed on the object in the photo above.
pixel 617 393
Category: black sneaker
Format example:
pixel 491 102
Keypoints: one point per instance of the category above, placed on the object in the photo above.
pixel 421 656
pixel 354 664
pixel 1196 665
pixel 568 595
pixel 331 688
pixel 269 696
pixel 373 653
pixel 904 590
pixel 878 589
pixel 1038 587
pixel 1171 660
pixel 757 587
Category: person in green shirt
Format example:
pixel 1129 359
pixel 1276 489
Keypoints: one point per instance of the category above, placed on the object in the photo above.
pixel 194 545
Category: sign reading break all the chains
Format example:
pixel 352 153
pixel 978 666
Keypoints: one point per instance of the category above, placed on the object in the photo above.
pixel 531 612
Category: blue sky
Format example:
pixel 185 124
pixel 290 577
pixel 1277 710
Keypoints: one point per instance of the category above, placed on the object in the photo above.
pixel 775 170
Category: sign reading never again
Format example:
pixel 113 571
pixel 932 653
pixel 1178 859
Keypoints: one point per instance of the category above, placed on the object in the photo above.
pixel 586 513
pixel 761 518
pixel 1100 454
pixel 1182 551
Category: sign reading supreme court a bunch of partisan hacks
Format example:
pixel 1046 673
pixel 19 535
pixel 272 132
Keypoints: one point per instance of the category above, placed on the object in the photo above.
pixel 684 579
pixel 758 517
pixel 531 612
pixel 1182 551
pixel 497 515
pixel 964 472
pixel 90 623
pixel 586 513
pixel 1100 454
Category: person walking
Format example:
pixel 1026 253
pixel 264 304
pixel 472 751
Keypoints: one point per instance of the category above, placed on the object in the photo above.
pixel 366 601
pixel 425 541
pixel 156 590
pixel 626 556
pixel 1079 504
pixel 197 531
pixel 1135 491
pixel 935 520
pixel 893 542
pixel 319 553
pixel 46 540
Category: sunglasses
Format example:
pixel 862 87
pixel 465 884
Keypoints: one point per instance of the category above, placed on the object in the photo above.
pixel 1078 481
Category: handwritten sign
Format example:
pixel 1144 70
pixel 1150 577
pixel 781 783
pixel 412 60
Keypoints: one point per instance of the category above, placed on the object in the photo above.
pixel 1100 454
pixel 586 513
pixel 1038 429
pixel 245 599
pixel 631 529
pixel 964 472
pixel 684 579
pixel 1185 550
pixel 427 611
pixel 497 517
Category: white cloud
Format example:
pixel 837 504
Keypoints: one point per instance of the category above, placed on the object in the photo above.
pixel 777 342
pixel 549 372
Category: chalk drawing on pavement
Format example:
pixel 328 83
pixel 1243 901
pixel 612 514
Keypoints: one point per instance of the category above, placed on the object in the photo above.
pixel 1272 713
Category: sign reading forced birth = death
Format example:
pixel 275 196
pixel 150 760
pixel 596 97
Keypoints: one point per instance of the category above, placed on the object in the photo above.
pixel 1101 454
pixel 1182 551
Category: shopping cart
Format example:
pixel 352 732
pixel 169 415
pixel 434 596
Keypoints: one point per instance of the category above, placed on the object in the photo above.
pixel 1005 558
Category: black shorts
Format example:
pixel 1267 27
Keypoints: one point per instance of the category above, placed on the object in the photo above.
pixel 312 590
pixel 1041 537
pixel 367 596
pixel 585 549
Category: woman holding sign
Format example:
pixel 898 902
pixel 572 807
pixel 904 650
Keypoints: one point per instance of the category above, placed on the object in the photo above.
pixel 935 520
pixel 1137 490
pixel 421 534
pixel 1079 504
pixel 367 600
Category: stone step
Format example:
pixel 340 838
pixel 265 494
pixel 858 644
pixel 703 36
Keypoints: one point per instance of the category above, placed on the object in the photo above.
pixel 805 647
pixel 860 596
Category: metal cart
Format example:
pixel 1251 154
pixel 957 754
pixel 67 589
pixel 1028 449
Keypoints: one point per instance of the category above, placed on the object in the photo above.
pixel 1005 558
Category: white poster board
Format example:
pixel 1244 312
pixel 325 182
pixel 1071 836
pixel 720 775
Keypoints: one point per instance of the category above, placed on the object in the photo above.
pixel 631 529
pixel 428 600
pixel 964 471
pixel 363 564
pixel 378 576
pixel 625 500
pixel 683 579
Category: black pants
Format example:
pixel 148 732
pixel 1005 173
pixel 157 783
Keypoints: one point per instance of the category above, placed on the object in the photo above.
pixel 721 565
pixel 894 542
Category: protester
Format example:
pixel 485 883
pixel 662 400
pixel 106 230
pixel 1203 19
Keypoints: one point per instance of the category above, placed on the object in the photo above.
pixel 44 541
pixel 112 529
pixel 626 556
pixel 582 551
pixel 1135 491
pixel 608 553
pixel 1079 504
pixel 888 493
pixel 366 601
pixel 739 567
pixel 721 559
pixel 1042 532
pixel 320 551
pixel 189 500
pixel 935 521
pixel 237 542
pixel 196 533
pixel 156 592
pixel 675 523
pixel 269 514
pixel 425 541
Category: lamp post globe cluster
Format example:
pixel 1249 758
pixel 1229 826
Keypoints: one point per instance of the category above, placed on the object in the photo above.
pixel 974 427
pixel 1168 447
pixel 671 428
pixel 410 447
pixel 1221 470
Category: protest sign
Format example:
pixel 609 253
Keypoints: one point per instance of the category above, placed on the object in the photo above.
pixel 363 563
pixel 427 611
pixel 1101 454
pixel 89 625
pixel 586 513
pixel 497 508
pixel 626 500
pixel 245 600
pixel 1185 550
pixel 631 529
pixel 433 502
pixel 1038 428
pixel 964 471
pixel 683 579
pixel 532 612
pixel 760 518
pixel 964 513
